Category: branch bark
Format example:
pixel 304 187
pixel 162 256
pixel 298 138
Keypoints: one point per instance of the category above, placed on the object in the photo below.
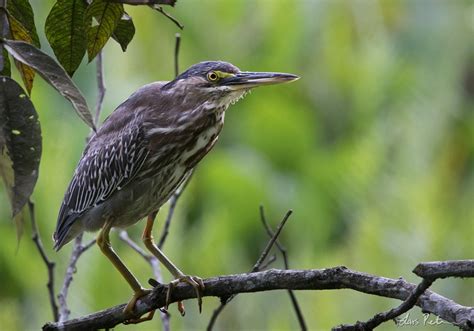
pixel 274 279
pixel 430 271
pixel 380 318
pixel 443 269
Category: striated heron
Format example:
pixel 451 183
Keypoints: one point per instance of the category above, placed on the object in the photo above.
pixel 143 152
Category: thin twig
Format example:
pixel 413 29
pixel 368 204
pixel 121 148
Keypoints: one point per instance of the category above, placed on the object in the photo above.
pixel 283 251
pixel 49 264
pixel 100 87
pixel 273 279
pixel 270 233
pixel 123 235
pixel 226 299
pixel 272 241
pixel 77 250
pixel 148 257
pixel 155 266
pixel 176 54
pixel 88 245
pixel 269 262
pixel 171 18
pixel 173 201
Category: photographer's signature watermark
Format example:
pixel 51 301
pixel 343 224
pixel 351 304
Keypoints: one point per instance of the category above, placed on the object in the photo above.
pixel 425 320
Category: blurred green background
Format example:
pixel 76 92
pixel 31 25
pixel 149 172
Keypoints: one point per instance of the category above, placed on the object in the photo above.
pixel 373 149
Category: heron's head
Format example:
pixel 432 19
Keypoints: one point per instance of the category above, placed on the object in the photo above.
pixel 220 83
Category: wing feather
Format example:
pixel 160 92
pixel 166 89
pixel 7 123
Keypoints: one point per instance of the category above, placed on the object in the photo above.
pixel 105 167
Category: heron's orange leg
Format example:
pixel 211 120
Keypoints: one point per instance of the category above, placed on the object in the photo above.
pixel 194 281
pixel 103 242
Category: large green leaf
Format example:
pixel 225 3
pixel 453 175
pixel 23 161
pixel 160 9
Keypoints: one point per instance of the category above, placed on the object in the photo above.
pixel 21 10
pixel 20 143
pixel 19 32
pixel 102 18
pixel 53 73
pixel 66 32
pixel 124 32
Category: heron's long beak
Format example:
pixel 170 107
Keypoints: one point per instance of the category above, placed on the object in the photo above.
pixel 246 80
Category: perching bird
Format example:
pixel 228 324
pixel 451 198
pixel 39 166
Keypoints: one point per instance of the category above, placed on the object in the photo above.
pixel 143 152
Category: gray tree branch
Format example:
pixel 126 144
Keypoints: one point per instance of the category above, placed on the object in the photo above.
pixel 443 269
pixel 274 279
pixel 430 271
pixel 380 318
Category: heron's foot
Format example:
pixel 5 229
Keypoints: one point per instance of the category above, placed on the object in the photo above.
pixel 131 305
pixel 148 317
pixel 195 282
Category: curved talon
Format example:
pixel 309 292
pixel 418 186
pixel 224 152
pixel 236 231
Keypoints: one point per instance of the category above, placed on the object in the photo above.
pixel 181 309
pixel 128 310
pixel 195 282
pixel 199 290
pixel 148 317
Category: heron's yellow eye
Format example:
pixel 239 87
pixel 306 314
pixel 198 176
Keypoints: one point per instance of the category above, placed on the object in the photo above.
pixel 212 76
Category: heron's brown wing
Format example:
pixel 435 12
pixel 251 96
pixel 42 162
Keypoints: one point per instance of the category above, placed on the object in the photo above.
pixel 108 164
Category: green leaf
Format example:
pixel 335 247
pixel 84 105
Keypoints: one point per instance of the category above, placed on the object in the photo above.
pixel 21 10
pixel 53 73
pixel 124 32
pixel 66 32
pixel 19 32
pixel 6 71
pixel 102 18
pixel 20 143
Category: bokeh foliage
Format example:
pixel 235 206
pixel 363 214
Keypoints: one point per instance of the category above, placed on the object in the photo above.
pixel 373 149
